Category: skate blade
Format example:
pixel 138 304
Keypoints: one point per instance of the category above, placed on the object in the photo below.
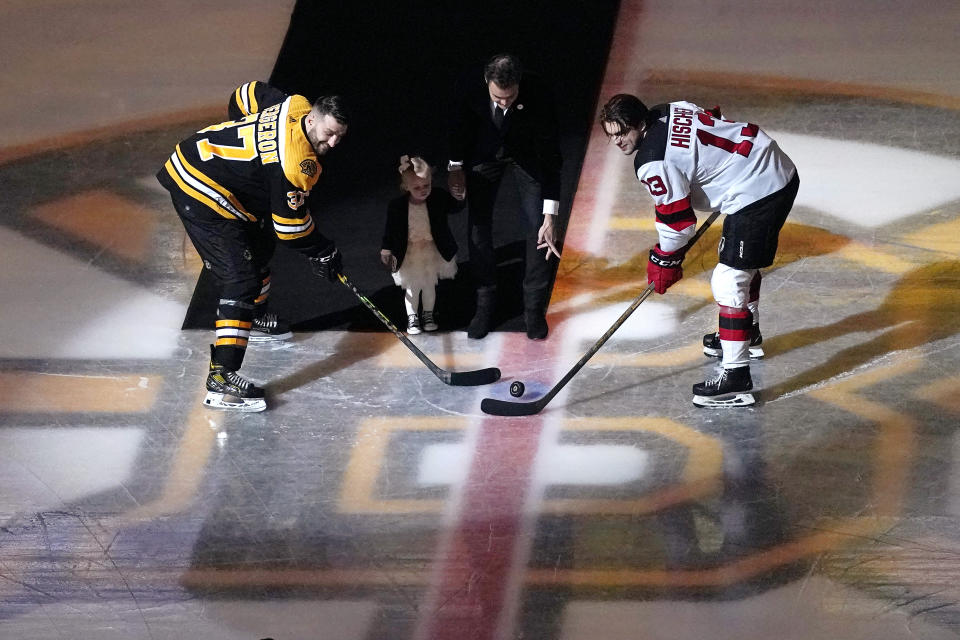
pixel 736 400
pixel 269 337
pixel 232 403
pixel 756 353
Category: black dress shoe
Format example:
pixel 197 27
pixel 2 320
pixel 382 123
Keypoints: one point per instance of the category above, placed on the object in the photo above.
pixel 482 320
pixel 479 327
pixel 536 325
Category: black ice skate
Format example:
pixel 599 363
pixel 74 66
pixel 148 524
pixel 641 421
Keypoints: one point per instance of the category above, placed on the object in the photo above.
pixel 712 347
pixel 269 328
pixel 227 389
pixel 728 389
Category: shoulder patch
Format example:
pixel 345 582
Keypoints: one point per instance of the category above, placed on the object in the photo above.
pixel 309 167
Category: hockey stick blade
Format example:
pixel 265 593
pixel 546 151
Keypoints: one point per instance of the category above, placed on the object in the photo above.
pixel 454 378
pixel 496 407
pixel 474 378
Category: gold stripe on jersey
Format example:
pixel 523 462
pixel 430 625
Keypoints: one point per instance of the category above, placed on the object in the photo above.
pixel 292 228
pixel 173 172
pixel 238 96
pixel 252 97
pixel 299 160
pixel 217 197
pixel 246 98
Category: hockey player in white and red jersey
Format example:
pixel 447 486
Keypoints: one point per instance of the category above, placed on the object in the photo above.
pixel 691 159
pixel 237 186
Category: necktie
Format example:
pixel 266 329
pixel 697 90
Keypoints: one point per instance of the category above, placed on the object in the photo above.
pixel 498 117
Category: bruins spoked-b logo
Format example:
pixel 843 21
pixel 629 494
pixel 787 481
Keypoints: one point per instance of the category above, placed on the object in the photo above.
pixel 309 167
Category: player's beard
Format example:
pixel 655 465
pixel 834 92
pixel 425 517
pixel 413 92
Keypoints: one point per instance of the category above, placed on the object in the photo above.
pixel 319 147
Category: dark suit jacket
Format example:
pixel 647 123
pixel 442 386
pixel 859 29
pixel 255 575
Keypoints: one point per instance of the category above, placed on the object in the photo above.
pixel 440 204
pixel 529 134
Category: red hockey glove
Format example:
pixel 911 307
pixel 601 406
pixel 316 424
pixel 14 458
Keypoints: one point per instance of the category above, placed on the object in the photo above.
pixel 664 268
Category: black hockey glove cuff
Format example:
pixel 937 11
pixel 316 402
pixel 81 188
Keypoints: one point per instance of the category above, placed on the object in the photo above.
pixel 666 260
pixel 664 269
pixel 327 264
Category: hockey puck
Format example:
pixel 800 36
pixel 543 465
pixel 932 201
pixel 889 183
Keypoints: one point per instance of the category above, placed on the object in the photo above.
pixel 516 389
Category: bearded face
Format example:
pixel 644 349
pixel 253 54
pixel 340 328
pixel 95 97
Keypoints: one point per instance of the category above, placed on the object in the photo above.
pixel 324 132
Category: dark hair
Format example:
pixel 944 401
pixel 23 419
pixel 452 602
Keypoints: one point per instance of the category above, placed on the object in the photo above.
pixel 333 106
pixel 625 111
pixel 504 70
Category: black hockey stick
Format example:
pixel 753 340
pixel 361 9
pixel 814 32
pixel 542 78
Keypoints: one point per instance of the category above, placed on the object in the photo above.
pixel 455 378
pixel 497 407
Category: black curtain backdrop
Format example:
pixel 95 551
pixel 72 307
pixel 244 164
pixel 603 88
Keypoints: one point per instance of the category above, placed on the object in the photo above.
pixel 395 63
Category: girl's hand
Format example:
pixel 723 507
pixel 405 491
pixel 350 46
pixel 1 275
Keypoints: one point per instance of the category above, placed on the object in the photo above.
pixel 389 260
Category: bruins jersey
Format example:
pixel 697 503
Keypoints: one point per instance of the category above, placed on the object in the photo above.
pixel 258 164
pixel 252 97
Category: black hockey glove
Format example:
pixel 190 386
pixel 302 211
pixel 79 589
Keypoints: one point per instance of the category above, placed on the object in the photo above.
pixel 327 264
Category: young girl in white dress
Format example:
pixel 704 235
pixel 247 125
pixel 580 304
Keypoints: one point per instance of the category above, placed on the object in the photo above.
pixel 418 246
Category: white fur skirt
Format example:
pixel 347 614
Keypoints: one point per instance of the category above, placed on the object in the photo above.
pixel 423 266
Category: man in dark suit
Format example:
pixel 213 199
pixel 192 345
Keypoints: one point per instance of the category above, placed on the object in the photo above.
pixel 503 120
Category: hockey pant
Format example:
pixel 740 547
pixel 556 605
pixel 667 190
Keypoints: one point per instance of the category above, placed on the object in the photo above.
pixel 749 243
pixel 238 255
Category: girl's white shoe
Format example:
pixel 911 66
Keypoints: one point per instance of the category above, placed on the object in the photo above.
pixel 413 324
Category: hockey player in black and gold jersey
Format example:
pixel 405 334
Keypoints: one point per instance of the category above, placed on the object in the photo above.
pixel 237 186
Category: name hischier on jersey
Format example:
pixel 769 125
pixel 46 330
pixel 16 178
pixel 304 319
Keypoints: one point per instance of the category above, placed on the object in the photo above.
pixel 682 126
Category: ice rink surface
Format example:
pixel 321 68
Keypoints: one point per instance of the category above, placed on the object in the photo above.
pixel 373 502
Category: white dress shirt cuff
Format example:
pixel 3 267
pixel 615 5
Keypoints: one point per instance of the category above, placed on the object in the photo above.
pixel 551 207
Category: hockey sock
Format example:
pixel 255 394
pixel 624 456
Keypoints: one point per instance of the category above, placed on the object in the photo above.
pixel 234 319
pixel 264 289
pixel 735 327
pixel 754 303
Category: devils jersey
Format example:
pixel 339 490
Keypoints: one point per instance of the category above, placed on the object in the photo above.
pixel 258 164
pixel 693 159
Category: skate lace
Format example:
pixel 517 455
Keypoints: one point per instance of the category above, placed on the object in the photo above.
pixel 266 321
pixel 718 379
pixel 237 380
